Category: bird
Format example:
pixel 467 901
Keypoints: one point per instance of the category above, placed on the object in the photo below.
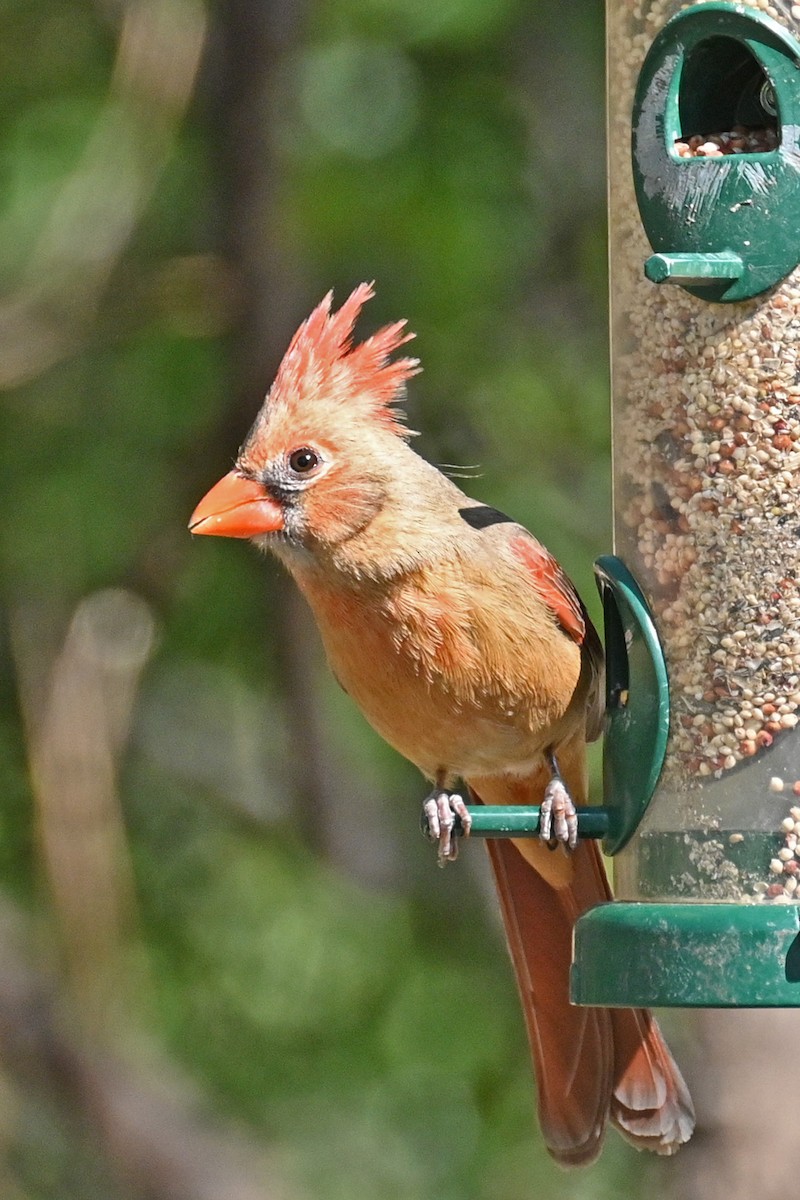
pixel 468 649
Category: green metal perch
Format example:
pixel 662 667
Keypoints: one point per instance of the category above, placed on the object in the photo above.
pixel 495 820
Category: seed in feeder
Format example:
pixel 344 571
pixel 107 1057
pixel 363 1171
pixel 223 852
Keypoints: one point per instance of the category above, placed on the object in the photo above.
pixel 784 854
pixel 790 885
pixel 735 838
pixel 775 889
pixel 776 784
pixel 776 866
pixel 787 825
pixel 794 811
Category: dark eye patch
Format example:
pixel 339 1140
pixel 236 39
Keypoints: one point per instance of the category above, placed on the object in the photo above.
pixel 480 516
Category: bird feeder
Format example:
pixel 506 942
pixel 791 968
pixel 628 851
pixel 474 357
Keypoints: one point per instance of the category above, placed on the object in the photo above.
pixel 702 598
pixel 702 756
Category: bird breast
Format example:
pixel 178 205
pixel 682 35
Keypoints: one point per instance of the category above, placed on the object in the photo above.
pixel 445 674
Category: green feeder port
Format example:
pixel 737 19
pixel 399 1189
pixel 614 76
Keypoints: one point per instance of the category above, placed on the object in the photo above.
pixel 715 128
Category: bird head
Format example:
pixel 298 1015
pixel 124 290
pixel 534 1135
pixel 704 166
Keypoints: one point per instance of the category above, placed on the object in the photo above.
pixel 313 468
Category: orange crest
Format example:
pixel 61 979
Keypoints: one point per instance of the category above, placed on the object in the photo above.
pixel 322 367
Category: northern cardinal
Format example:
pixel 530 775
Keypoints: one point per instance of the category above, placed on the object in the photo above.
pixel 468 649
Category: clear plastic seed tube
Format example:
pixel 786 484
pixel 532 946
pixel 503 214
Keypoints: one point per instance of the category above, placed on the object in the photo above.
pixel 706 428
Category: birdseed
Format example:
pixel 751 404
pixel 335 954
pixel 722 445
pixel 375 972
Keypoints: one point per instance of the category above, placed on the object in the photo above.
pixel 739 140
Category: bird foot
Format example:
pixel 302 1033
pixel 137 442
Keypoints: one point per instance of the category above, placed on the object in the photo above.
pixel 439 813
pixel 558 820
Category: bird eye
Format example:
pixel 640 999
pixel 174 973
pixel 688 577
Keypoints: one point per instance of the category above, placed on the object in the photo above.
pixel 303 460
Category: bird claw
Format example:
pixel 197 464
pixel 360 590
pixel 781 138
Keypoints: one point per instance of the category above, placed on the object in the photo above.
pixel 439 814
pixel 558 820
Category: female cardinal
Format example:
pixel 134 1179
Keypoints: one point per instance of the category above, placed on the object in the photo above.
pixel 468 649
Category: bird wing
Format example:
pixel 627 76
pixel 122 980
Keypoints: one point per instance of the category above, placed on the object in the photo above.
pixel 560 595
pixel 552 584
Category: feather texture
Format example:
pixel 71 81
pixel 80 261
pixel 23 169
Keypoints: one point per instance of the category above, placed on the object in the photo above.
pixel 323 369
pixel 552 584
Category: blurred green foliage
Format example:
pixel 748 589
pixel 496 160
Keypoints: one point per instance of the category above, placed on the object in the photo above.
pixel 360 1021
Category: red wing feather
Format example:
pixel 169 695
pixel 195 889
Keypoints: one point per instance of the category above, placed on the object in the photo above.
pixel 552 585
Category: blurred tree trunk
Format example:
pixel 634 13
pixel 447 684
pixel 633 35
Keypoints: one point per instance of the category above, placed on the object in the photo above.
pixel 564 109
pixel 252 46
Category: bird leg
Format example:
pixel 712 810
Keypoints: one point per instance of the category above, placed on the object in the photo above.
pixel 439 812
pixel 558 820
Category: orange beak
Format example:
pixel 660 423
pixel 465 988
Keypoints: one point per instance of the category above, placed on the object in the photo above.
pixel 236 507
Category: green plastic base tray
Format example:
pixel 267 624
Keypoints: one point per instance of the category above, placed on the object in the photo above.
pixel 688 956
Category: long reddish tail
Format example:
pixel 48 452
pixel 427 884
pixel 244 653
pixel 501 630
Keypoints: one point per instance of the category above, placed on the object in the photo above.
pixel 591 1064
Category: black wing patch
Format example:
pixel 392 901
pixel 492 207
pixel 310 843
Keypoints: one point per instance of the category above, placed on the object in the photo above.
pixel 481 516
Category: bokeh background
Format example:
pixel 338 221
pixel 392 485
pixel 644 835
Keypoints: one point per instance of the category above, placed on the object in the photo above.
pixel 228 965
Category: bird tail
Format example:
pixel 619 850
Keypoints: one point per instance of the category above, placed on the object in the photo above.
pixel 592 1065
